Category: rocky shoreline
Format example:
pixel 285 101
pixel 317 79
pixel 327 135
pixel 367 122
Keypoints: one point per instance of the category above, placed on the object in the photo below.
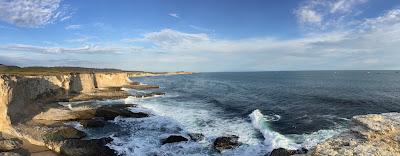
pixel 36 109
pixel 31 109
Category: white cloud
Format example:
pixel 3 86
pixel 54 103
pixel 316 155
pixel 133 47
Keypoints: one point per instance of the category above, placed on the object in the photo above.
pixel 73 27
pixel 168 38
pixel 88 49
pixel 327 14
pixel 175 15
pixel 82 39
pixel 30 13
pixel 308 16
pixel 200 28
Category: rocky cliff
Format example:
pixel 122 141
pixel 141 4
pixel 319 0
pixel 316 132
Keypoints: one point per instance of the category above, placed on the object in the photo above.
pixel 369 135
pixel 22 97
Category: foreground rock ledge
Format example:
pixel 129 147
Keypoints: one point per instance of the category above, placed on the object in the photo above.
pixel 369 135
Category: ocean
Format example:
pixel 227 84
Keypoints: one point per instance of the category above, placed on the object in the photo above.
pixel 266 110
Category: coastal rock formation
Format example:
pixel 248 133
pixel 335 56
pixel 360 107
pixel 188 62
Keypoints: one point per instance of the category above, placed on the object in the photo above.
pixel 93 123
pixel 94 147
pixel 31 106
pixel 173 139
pixel 226 142
pixel 33 92
pixel 373 134
pixel 10 144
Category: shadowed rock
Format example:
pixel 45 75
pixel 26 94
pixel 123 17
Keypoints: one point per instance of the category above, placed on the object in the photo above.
pixel 286 152
pixel 10 144
pixel 94 147
pixel 93 123
pixel 226 142
pixel 173 139
pixel 110 112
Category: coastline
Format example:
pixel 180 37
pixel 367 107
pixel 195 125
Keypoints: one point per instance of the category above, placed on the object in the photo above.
pixel 84 89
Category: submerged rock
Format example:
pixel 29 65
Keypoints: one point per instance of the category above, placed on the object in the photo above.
pixel 92 123
pixel 173 139
pixel 196 136
pixel 226 142
pixel 10 144
pixel 94 147
pixel 373 134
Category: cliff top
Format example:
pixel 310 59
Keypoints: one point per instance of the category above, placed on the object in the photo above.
pixel 15 70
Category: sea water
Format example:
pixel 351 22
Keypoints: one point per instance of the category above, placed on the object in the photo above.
pixel 266 110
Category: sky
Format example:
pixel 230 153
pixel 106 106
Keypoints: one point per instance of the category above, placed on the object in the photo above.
pixel 202 35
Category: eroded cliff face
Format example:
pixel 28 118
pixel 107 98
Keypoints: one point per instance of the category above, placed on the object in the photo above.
pixel 104 80
pixel 369 135
pixel 22 97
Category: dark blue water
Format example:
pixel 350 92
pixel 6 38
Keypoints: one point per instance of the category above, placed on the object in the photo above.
pixel 307 101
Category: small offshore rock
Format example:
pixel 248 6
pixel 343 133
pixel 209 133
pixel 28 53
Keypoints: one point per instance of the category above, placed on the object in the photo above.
pixel 93 123
pixel 109 113
pixel 226 142
pixel 196 136
pixel 173 139
pixel 10 144
pixel 94 147
pixel 10 154
pixel 286 152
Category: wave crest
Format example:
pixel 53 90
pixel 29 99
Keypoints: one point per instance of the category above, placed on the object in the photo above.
pixel 273 139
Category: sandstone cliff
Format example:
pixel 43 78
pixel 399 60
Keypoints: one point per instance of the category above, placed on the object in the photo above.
pixel 22 97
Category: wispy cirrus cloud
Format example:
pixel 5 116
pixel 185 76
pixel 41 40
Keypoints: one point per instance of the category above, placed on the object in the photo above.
pixel 31 13
pixel 88 49
pixel 73 27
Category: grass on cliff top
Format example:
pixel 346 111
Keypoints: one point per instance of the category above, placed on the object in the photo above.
pixel 15 70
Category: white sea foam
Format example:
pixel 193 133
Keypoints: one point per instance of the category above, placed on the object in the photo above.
pixel 141 136
pixel 272 139
pixel 310 140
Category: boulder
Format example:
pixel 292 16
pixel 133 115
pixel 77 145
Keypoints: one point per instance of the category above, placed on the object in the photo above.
pixel 196 136
pixel 92 123
pixel 10 144
pixel 94 147
pixel 173 139
pixel 10 154
pixel 286 152
pixel 226 142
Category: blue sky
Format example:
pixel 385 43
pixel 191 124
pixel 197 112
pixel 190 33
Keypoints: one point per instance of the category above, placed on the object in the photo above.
pixel 206 35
